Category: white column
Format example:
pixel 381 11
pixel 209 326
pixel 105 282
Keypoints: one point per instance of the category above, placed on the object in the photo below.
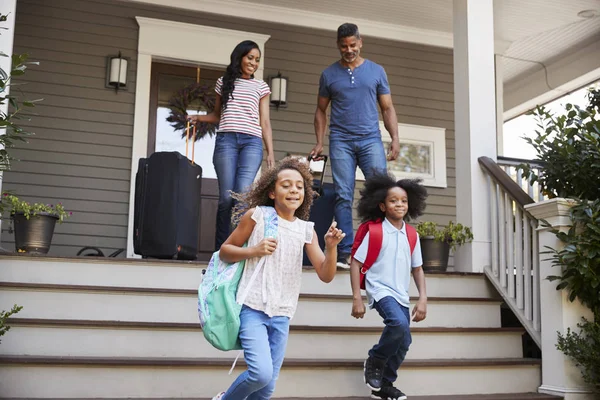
pixel 6 46
pixel 475 124
pixel 499 104
pixel 560 377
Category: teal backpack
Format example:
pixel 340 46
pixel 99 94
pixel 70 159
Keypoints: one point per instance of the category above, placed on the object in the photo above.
pixel 217 307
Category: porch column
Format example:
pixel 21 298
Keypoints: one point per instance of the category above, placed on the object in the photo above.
pixel 560 376
pixel 6 46
pixel 475 125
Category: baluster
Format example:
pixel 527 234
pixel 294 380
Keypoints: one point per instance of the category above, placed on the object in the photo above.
pixel 494 219
pixel 510 237
pixel 527 266
pixel 502 236
pixel 519 255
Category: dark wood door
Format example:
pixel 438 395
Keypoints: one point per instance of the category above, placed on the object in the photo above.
pixel 166 80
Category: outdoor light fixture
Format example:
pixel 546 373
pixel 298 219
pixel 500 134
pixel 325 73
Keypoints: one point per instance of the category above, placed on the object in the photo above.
pixel 116 72
pixel 279 91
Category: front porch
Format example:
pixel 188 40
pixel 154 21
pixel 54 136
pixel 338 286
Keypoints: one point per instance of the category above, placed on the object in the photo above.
pixel 100 319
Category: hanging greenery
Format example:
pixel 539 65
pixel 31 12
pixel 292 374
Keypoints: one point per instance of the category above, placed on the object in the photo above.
pixel 180 104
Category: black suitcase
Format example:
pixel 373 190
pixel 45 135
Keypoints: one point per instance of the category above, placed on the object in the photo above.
pixel 167 207
pixel 321 212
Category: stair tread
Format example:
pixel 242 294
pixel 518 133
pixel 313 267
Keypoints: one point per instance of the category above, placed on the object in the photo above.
pixel 171 291
pixel 196 326
pixel 187 263
pixel 220 362
pixel 496 396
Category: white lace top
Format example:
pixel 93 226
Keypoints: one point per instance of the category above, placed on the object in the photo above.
pixel 277 286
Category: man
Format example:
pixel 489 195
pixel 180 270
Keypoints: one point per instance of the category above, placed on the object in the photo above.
pixel 354 86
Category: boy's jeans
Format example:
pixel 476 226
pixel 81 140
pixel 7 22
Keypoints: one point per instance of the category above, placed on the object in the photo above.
pixel 264 341
pixel 237 158
pixel 369 155
pixel 395 339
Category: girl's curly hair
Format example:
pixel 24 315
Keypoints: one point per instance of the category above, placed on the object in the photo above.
pixel 258 195
pixel 376 189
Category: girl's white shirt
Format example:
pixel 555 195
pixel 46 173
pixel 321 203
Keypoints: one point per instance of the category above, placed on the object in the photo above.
pixel 276 289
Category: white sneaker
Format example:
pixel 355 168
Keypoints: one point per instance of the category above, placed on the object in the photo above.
pixel 219 396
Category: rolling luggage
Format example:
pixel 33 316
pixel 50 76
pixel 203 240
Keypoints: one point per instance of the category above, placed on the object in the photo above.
pixel 167 206
pixel 322 209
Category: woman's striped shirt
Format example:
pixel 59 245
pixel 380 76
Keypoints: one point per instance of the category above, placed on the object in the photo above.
pixel 242 112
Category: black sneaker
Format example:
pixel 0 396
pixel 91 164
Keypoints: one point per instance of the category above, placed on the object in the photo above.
pixel 388 392
pixel 374 373
pixel 342 261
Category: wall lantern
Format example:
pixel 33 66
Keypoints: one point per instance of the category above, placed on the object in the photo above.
pixel 116 72
pixel 279 91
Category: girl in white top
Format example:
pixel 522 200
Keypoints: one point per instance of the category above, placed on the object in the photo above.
pixel 273 296
pixel 242 112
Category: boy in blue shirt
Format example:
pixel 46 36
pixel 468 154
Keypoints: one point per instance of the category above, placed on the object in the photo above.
pixel 387 281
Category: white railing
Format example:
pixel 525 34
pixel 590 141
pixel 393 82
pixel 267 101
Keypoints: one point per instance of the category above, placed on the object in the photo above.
pixel 515 269
pixel 512 169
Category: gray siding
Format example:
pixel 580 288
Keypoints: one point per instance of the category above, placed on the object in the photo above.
pixel 81 152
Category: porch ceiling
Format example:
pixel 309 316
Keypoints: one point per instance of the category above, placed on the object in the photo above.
pixel 527 32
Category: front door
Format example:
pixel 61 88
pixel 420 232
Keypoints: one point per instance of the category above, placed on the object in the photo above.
pixel 166 80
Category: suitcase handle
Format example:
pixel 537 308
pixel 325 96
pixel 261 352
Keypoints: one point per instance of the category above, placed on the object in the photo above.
pixel 324 158
pixel 187 137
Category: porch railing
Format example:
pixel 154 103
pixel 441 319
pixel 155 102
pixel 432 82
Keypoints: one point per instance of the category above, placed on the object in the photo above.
pixel 515 269
pixel 511 167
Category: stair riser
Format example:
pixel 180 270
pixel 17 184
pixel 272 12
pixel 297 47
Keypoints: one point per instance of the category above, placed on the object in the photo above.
pixel 103 342
pixel 188 276
pixel 53 304
pixel 192 382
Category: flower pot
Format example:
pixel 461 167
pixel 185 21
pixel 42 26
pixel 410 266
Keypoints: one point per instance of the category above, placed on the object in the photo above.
pixel 34 235
pixel 435 254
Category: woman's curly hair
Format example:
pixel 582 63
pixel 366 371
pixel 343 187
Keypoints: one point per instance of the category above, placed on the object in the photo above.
pixel 234 69
pixel 258 195
pixel 376 189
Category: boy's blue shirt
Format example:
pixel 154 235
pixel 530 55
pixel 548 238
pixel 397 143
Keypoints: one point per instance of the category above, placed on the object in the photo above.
pixel 390 274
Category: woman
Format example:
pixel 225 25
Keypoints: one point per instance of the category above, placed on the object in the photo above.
pixel 242 112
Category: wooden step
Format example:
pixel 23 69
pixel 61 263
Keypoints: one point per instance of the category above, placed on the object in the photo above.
pixel 167 339
pixel 127 377
pixel 60 301
pixel 187 275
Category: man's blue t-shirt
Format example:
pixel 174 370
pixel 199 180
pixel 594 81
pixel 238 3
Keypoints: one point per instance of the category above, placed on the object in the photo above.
pixel 354 96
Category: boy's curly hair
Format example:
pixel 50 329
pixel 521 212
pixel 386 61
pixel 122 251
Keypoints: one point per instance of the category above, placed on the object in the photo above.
pixel 376 189
pixel 258 195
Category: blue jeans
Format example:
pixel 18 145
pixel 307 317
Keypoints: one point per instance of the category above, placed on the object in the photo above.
pixel 395 339
pixel 237 158
pixel 264 340
pixel 345 155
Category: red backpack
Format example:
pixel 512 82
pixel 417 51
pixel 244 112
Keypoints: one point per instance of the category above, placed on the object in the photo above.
pixel 375 230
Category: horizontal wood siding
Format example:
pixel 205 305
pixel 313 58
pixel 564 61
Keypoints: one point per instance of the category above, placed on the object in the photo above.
pixel 81 152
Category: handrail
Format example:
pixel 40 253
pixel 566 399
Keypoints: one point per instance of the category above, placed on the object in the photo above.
pixel 513 189
pixel 517 161
pixel 515 267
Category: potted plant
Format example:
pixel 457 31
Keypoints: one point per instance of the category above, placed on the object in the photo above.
pixel 33 223
pixel 436 243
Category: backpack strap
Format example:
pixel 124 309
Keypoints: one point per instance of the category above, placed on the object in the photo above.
pixel 271 229
pixel 375 243
pixel 411 233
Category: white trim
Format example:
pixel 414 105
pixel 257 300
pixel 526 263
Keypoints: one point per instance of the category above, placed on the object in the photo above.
pixel 175 41
pixel 564 76
pixel 310 19
pixel 430 136
pixel 561 391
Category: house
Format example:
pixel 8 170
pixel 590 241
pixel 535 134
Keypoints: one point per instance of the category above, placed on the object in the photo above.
pixel 460 68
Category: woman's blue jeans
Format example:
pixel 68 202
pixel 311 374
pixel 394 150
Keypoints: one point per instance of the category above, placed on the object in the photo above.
pixel 237 158
pixel 264 340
